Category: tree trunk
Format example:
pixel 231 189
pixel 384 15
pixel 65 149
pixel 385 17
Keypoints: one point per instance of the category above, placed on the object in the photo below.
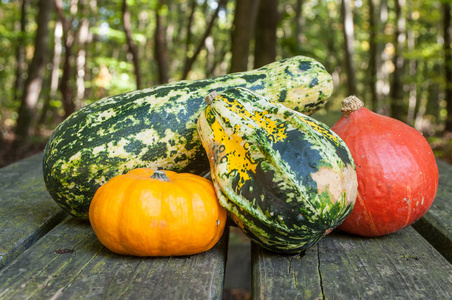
pixel 132 47
pixel 349 40
pixel 412 67
pixel 161 53
pixel 191 60
pixel 373 55
pixel 68 41
pixel 33 83
pixel 80 61
pixel 299 23
pixel 242 31
pixel 65 89
pixel 398 110
pixel 383 86
pixel 422 104
pixel 20 54
pixel 188 37
pixel 210 58
pixel 218 60
pixel 333 62
pixel 448 63
pixel 266 25
pixel 54 76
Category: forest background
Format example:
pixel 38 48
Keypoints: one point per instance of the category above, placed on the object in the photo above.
pixel 57 56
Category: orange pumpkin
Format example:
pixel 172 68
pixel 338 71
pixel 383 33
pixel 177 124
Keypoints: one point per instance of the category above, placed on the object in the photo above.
pixel 157 213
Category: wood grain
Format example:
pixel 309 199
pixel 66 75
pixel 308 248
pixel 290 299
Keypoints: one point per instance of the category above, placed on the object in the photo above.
pixel 276 276
pixel 399 266
pixel 402 265
pixel 69 262
pixel 45 254
pixel 27 211
pixel 436 225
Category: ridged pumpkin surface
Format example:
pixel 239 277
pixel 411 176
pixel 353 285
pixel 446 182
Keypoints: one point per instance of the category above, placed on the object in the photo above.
pixel 286 179
pixel 139 214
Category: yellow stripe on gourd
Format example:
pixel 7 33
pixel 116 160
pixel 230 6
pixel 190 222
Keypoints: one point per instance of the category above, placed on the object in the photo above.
pixel 323 131
pixel 234 152
pixel 274 131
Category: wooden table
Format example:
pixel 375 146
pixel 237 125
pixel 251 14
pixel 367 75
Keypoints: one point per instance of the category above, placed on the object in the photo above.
pixel 46 254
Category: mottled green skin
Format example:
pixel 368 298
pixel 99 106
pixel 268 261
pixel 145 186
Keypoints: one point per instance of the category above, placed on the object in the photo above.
pixel 286 178
pixel 156 128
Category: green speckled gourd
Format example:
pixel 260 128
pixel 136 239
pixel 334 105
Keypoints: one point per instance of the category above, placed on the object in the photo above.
pixel 286 179
pixel 156 128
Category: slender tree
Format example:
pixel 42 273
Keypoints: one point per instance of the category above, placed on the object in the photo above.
pixel 373 54
pixel 68 41
pixel 429 89
pixel 299 22
pixel 242 32
pixel 382 66
pixel 265 37
pixel 189 33
pixel 448 63
pixel 217 60
pixel 161 53
pixel 398 110
pixel 33 83
pixel 83 38
pixel 189 63
pixel 333 44
pixel 130 43
pixel 348 32
pixel 412 69
pixel 20 51
pixel 54 76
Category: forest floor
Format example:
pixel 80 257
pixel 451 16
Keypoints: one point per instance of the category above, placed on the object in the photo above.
pixel 35 145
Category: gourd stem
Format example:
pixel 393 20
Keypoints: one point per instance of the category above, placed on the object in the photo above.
pixel 351 104
pixel 160 175
pixel 210 97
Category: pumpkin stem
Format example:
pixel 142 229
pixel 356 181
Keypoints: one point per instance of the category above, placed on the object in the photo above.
pixel 160 175
pixel 210 97
pixel 351 104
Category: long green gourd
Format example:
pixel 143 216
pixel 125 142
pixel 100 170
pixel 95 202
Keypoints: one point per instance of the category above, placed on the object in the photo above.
pixel 156 128
pixel 286 179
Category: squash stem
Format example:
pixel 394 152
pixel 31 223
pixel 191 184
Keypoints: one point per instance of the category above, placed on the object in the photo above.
pixel 351 104
pixel 210 97
pixel 160 175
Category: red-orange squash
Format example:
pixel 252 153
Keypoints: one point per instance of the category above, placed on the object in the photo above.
pixel 396 169
pixel 157 213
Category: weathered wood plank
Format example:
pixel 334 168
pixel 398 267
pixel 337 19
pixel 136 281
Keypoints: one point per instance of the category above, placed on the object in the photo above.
pixel 71 263
pixel 398 266
pixel 27 211
pixel 402 265
pixel 436 225
pixel 276 276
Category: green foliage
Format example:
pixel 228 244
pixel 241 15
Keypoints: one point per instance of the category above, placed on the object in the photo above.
pixel 320 37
